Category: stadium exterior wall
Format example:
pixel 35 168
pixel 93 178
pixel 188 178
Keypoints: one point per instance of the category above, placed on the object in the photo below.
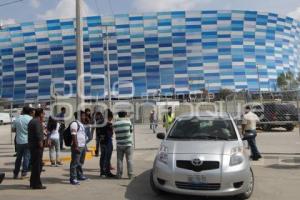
pixel 165 52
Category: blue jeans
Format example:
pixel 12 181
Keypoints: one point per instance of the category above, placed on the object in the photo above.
pixel 106 152
pixel 54 151
pixel 23 152
pixel 153 126
pixel 126 151
pixel 88 134
pixel 252 143
pixel 77 161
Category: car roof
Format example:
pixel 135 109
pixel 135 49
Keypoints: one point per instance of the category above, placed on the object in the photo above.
pixel 222 115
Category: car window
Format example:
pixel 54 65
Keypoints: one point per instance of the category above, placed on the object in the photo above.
pixel 286 108
pixel 197 128
pixel 257 108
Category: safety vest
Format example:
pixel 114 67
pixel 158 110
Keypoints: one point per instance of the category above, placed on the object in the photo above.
pixel 169 120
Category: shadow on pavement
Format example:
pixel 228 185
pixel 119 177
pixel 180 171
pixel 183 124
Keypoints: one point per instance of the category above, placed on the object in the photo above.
pixel 13 187
pixel 6 170
pixel 92 170
pixel 9 164
pixel 284 167
pixel 6 156
pixel 140 187
pixel 274 131
pixel 52 180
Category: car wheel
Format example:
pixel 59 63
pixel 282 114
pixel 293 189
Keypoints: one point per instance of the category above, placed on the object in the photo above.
pixel 153 186
pixel 290 127
pixel 250 188
pixel 266 127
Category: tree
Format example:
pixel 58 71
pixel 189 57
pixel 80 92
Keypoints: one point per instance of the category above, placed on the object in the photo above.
pixel 223 93
pixel 281 81
pixel 287 81
pixel 298 77
pixel 204 94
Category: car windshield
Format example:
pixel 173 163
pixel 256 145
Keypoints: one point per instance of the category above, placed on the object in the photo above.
pixel 203 129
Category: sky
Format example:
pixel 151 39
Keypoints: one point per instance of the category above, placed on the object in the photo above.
pixel 38 10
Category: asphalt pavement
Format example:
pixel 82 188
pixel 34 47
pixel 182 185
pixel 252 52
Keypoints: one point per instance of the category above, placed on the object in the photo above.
pixel 277 175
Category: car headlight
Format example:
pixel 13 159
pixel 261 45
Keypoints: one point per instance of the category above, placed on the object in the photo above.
pixel 236 156
pixel 163 154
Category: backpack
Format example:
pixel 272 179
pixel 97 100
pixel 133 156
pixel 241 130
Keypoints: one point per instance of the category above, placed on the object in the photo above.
pixel 68 135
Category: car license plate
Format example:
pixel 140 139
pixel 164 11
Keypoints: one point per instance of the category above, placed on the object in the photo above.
pixel 197 179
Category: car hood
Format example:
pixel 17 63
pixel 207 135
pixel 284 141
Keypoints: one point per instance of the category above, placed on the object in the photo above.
pixel 201 147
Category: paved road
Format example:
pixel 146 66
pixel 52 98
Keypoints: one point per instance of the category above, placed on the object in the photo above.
pixel 276 179
pixel 277 176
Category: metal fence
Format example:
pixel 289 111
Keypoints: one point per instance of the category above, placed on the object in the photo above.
pixel 138 109
pixel 274 109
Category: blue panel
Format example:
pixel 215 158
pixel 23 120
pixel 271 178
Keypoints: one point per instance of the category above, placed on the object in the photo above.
pixel 150 49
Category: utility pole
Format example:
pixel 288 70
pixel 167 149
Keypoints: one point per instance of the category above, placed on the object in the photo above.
pixel 79 56
pixel 258 81
pixel 108 69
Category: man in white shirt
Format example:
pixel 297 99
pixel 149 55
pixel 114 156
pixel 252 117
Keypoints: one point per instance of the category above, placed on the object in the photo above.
pixel 249 128
pixel 78 149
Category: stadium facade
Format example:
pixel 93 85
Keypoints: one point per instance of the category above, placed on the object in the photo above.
pixel 165 52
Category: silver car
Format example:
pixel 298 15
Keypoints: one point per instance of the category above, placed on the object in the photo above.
pixel 203 154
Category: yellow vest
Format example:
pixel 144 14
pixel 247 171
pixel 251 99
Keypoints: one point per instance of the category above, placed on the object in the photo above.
pixel 169 120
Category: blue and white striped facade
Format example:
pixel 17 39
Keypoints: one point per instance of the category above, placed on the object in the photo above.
pixel 187 51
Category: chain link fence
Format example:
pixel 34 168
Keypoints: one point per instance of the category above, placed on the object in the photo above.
pixel 274 109
pixel 139 111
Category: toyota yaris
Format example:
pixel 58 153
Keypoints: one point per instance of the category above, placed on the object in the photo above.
pixel 203 154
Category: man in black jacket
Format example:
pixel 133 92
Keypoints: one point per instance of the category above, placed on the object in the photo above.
pixel 106 146
pixel 35 141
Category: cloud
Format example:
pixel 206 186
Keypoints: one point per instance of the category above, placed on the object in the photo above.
pixel 66 9
pixel 8 21
pixel 295 14
pixel 166 5
pixel 35 3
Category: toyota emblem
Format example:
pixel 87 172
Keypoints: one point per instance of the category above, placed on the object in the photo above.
pixel 197 162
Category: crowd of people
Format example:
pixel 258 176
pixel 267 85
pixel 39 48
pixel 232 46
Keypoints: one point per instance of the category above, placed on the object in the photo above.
pixel 34 134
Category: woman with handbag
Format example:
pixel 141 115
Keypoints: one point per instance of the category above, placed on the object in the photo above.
pixel 249 132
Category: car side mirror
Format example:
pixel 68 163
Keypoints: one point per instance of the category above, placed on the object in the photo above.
pixel 161 136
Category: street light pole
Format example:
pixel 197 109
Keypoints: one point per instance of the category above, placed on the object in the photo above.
pixel 108 69
pixel 79 56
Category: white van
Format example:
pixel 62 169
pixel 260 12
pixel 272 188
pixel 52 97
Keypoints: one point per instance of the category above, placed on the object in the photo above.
pixel 4 118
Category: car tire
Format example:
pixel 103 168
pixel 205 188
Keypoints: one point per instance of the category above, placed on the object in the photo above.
pixel 266 127
pixel 290 127
pixel 153 186
pixel 248 193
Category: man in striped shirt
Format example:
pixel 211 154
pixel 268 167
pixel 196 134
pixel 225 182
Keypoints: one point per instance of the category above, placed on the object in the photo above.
pixel 123 131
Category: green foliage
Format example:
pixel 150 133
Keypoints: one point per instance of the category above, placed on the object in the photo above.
pixel 223 93
pixel 281 81
pixel 287 81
